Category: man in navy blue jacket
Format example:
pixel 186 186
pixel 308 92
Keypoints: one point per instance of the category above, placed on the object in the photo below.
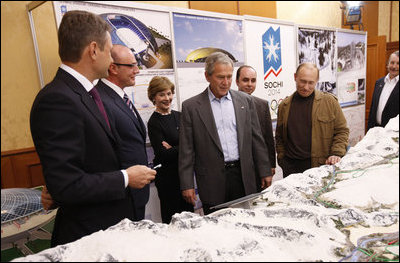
pixel 129 127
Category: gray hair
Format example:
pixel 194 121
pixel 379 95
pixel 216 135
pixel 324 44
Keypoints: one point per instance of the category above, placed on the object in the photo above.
pixel 394 53
pixel 214 58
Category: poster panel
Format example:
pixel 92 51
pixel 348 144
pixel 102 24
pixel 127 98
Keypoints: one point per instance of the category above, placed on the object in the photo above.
pixel 270 50
pixel 318 46
pixel 146 32
pixel 355 117
pixel 195 38
pixel 351 68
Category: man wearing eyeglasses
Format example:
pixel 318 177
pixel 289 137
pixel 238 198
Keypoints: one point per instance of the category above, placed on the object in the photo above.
pixel 129 127
pixel 125 122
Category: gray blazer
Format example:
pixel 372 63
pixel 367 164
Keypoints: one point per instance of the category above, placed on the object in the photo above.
pixel 200 149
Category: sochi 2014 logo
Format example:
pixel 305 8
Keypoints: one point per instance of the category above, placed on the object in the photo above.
pixel 272 52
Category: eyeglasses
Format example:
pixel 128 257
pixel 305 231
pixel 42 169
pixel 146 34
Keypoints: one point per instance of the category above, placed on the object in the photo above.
pixel 127 65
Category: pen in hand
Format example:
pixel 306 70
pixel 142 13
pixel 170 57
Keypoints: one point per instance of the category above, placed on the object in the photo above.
pixel 157 166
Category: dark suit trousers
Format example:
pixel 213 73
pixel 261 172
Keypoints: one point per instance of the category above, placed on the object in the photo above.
pixel 234 188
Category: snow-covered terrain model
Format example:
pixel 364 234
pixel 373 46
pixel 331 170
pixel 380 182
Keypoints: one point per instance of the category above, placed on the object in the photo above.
pixel 346 212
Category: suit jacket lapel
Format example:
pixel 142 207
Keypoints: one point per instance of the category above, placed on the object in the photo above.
pixel 394 95
pixel 125 108
pixel 141 123
pixel 86 99
pixel 206 115
pixel 380 88
pixel 240 112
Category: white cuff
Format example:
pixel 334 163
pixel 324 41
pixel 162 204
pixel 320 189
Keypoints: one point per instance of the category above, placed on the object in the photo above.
pixel 126 178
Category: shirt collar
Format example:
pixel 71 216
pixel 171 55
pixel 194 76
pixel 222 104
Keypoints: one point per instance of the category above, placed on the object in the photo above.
pixel 116 88
pixel 387 79
pixel 212 97
pixel 79 77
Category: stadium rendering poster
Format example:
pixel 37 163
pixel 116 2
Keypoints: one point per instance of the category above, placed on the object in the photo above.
pixel 151 44
pixel 351 68
pixel 195 38
pixel 270 50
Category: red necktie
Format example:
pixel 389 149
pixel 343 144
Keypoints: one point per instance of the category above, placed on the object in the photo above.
pixel 96 96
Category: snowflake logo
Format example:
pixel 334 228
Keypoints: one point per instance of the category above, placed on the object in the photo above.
pixel 272 48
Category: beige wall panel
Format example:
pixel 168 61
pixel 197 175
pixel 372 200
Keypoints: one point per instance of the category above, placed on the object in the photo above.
pixel 19 77
pixel 258 8
pixel 181 4
pixel 395 21
pixel 384 19
pixel 316 13
pixel 227 7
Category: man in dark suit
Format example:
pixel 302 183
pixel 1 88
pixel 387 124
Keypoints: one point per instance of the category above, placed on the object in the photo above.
pixel 246 80
pixel 129 127
pixel 73 139
pixel 385 100
pixel 220 140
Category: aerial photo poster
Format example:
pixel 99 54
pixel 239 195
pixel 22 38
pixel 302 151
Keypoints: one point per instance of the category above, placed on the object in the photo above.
pixel 195 38
pixel 151 44
pixel 318 46
pixel 271 51
pixel 351 68
pixel 355 117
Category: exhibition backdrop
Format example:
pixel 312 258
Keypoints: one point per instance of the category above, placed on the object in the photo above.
pixel 173 42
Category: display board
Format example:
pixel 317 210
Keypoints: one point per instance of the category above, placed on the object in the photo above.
pixel 146 32
pixel 195 38
pixel 351 68
pixel 270 49
pixel 175 42
pixel 355 117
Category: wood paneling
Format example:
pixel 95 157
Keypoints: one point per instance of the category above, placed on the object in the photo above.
pixel 376 68
pixel 257 8
pixel 227 7
pixel 21 169
pixel 390 48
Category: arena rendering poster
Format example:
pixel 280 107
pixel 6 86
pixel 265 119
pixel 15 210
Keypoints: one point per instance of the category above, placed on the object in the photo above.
pixel 270 50
pixel 351 68
pixel 195 38
pixel 319 46
pixel 146 32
